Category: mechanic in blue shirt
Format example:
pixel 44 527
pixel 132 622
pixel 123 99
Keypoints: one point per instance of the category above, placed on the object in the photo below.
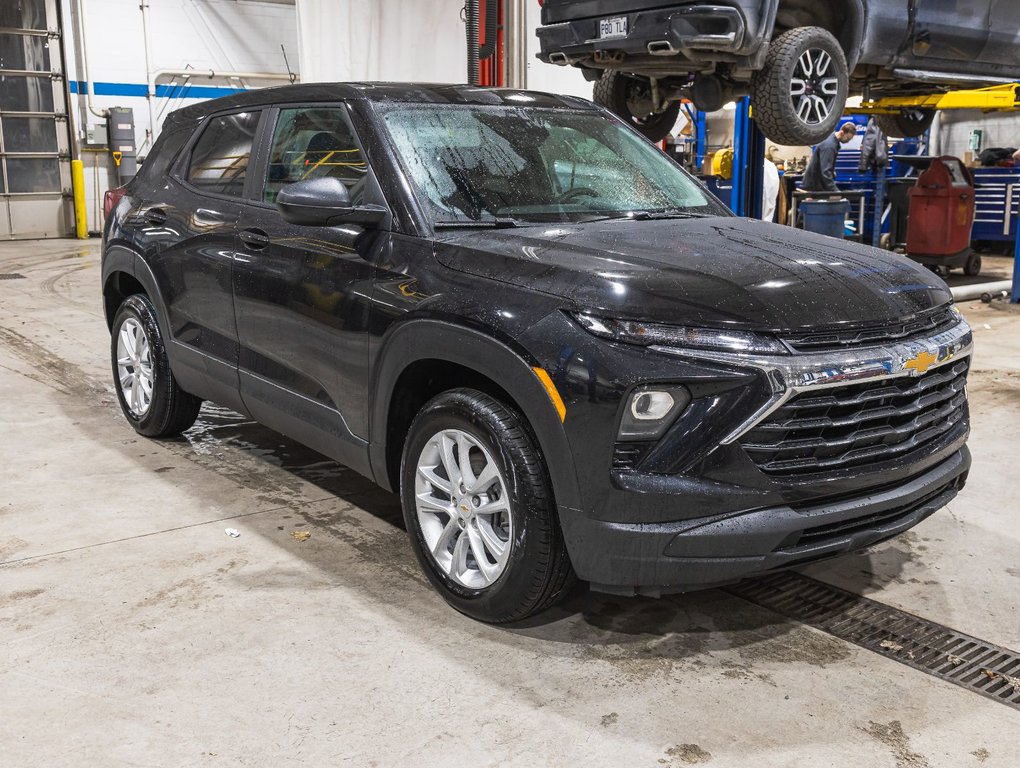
pixel 820 175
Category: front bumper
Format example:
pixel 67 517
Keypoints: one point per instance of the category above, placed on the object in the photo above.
pixel 695 554
pixel 659 32
pixel 696 511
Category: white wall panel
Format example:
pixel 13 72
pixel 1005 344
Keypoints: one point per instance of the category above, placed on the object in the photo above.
pixel 421 41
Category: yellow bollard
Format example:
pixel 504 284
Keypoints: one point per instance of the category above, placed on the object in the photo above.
pixel 81 225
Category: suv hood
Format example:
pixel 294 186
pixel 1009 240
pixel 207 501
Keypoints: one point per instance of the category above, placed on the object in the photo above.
pixel 712 272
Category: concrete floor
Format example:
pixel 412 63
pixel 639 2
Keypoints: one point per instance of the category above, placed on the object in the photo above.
pixel 136 633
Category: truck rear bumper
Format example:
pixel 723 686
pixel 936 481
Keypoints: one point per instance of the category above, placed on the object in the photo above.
pixel 661 32
pixel 695 554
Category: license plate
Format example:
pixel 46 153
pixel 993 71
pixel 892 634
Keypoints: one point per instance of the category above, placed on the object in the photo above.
pixel 614 27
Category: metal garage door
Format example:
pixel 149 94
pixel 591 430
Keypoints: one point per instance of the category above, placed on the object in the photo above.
pixel 35 167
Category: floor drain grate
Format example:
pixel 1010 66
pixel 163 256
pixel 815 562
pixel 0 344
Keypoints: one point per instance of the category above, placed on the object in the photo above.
pixel 973 664
pixel 11 276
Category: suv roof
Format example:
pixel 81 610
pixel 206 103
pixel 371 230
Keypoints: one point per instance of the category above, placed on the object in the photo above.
pixel 429 93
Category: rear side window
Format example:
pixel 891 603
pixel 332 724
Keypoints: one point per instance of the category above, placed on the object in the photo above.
pixel 310 143
pixel 162 154
pixel 219 161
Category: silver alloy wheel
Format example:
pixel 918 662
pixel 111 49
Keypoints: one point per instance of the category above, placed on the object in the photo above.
pixel 813 90
pixel 134 366
pixel 463 509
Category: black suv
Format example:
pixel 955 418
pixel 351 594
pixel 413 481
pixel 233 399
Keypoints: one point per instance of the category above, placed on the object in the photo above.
pixel 560 350
pixel 799 59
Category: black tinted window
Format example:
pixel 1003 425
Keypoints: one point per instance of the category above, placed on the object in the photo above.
pixel 219 161
pixel 162 154
pixel 310 144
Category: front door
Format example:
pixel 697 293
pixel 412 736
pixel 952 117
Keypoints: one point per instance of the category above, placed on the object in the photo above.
pixel 301 293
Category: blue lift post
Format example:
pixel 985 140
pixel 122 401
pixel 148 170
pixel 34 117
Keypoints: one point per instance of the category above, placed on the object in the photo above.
pixel 748 163
pixel 1016 269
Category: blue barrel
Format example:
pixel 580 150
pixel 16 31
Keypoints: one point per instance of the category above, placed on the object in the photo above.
pixel 826 217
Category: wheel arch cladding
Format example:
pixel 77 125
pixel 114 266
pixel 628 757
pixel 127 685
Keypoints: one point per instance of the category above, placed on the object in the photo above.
pixel 124 273
pixel 843 18
pixel 422 358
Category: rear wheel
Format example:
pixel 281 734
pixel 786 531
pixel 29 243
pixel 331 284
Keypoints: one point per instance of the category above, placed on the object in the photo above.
pixel 973 266
pixel 149 395
pixel 631 98
pixel 800 93
pixel 479 509
pixel 908 124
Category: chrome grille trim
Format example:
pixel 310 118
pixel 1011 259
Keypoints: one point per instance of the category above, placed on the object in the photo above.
pixel 795 374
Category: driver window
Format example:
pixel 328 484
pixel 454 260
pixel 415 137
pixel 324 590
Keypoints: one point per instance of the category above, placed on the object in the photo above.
pixel 310 143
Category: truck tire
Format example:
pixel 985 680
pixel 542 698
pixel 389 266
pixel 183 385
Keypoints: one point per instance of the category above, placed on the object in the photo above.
pixel 909 124
pixel 623 95
pixel 479 509
pixel 800 93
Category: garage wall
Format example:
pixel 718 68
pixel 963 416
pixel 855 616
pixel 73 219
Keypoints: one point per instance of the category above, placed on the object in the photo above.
pixel 237 35
pixel 1000 130
pixel 421 41
pixel 398 40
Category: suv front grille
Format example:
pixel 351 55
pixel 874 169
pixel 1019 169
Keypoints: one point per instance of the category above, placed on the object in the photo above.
pixel 859 424
pixel 935 323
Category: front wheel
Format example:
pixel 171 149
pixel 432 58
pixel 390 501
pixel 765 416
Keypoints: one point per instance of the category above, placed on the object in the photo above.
pixel 479 509
pixel 973 266
pixel 631 98
pixel 149 395
pixel 800 93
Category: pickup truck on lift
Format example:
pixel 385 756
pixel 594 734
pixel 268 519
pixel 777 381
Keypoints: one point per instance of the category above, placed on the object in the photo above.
pixel 799 60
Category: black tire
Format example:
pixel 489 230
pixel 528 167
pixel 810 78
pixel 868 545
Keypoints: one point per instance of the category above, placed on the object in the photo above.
pixel 771 88
pixel 170 410
pixel 909 124
pixel 538 572
pixel 973 266
pixel 615 91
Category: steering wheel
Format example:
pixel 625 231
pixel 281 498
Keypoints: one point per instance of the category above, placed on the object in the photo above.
pixel 570 194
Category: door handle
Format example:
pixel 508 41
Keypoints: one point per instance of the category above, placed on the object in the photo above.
pixel 254 239
pixel 156 217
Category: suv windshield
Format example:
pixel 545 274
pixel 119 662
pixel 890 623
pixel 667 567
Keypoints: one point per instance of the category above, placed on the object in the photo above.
pixel 502 164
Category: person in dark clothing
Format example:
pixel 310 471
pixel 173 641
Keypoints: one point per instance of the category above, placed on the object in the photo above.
pixel 820 175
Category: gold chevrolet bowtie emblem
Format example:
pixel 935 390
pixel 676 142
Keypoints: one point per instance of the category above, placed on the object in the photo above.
pixel 921 363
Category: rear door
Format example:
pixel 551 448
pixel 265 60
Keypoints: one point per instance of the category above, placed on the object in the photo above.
pixel 302 293
pixel 950 32
pixel 1003 48
pixel 199 210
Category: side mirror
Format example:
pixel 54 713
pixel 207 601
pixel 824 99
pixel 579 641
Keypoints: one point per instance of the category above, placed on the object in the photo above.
pixel 323 202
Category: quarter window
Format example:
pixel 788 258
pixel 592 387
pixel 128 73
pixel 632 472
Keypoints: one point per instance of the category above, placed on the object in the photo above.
pixel 219 161
pixel 312 143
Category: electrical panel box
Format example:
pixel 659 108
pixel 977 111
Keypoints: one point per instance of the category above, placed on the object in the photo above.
pixel 122 143
pixel 96 136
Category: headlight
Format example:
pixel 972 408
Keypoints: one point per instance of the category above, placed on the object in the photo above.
pixel 651 410
pixel 654 334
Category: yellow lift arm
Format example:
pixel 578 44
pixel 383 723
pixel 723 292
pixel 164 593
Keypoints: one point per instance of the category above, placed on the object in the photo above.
pixel 997 98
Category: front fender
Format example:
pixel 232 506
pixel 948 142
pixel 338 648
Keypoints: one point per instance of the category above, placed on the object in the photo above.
pixel 430 339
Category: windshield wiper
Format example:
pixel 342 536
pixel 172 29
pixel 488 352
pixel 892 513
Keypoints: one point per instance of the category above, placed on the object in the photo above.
pixel 673 213
pixel 494 223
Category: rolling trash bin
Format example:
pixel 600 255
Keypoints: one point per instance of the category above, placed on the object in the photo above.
pixel 826 217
